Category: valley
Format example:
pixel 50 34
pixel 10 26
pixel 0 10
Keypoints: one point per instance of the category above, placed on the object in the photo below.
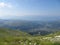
pixel 32 27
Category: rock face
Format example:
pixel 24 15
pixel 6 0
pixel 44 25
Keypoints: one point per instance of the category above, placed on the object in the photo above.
pixel 57 36
pixel 53 39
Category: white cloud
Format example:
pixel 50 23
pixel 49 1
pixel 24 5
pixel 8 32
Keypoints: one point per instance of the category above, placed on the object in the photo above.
pixel 2 5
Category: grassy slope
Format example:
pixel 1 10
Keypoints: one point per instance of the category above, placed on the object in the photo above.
pixel 16 37
pixel 8 32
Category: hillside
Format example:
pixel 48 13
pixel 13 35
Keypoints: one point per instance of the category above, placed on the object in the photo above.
pixel 17 37
pixel 4 32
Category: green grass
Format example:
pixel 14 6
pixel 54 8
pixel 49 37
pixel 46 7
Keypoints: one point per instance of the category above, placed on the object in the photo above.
pixel 16 37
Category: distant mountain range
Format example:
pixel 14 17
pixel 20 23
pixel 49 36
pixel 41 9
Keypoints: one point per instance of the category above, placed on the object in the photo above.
pixel 32 27
pixel 34 17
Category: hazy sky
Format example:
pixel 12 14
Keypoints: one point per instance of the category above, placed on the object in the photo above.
pixel 29 7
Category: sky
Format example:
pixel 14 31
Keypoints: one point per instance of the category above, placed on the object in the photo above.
pixel 11 8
